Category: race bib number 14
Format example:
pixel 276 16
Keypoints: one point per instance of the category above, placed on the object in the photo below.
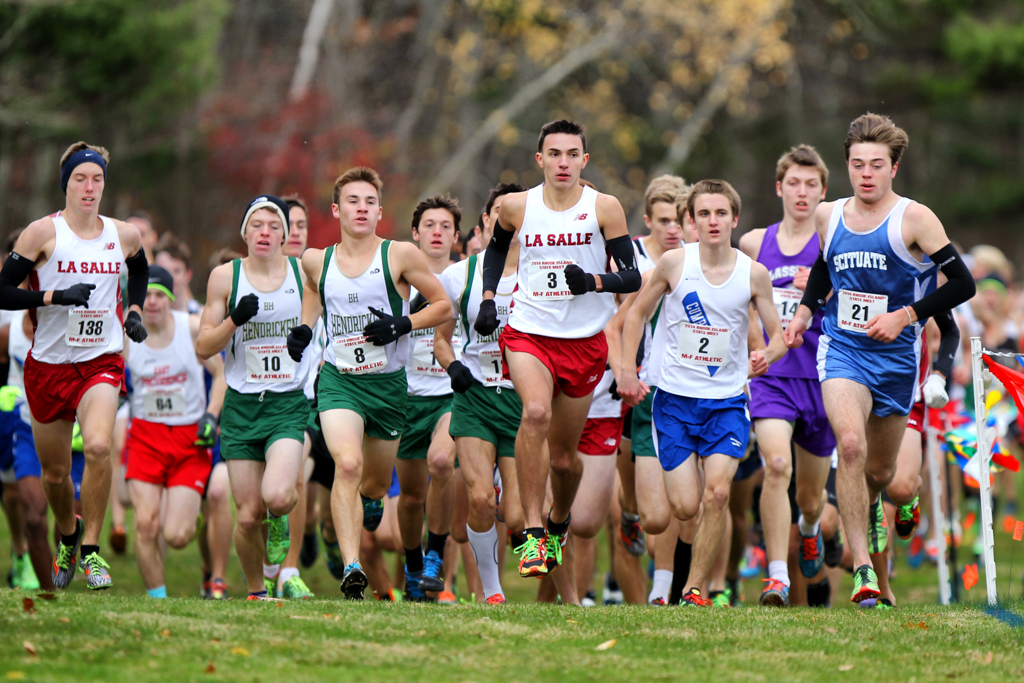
pixel 786 302
pixel 857 308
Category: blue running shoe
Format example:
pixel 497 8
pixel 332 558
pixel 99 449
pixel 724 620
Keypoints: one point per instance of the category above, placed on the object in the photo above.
pixel 812 554
pixel 373 512
pixel 432 578
pixel 775 594
pixel 354 582
pixel 413 591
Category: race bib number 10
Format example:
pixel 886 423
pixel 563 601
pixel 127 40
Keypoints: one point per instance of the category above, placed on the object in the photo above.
pixel 786 302
pixel 358 356
pixel 857 308
pixel 546 280
pixel 268 363
pixel 703 345
pixel 88 327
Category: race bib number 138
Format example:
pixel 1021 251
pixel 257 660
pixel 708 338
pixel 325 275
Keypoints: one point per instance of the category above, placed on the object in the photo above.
pixel 88 327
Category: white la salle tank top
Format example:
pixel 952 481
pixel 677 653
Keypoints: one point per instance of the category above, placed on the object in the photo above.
pixel 73 334
pixel 167 383
pixel 549 241
pixel 347 302
pixel 257 359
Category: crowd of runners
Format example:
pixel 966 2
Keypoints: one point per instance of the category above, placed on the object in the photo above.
pixel 518 378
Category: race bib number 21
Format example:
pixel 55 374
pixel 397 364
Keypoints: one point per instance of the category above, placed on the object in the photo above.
pixel 856 309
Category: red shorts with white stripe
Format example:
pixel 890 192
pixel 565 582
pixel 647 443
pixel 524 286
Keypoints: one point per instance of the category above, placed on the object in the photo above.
pixel 576 365
pixel 54 390
pixel 915 420
pixel 601 436
pixel 166 456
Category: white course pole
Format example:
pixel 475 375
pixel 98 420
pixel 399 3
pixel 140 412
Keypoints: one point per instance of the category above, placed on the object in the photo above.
pixel 984 457
pixel 938 515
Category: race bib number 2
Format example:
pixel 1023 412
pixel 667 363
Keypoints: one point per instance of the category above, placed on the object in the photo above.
pixel 856 309
pixel 358 356
pixel 546 280
pixel 703 345
pixel 786 302
pixel 88 327
pixel 268 363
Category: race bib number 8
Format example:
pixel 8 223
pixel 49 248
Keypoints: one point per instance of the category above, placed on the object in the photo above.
pixel 358 356
pixel 786 302
pixel 546 280
pixel 268 363
pixel 857 308
pixel 165 404
pixel 490 366
pixel 88 327
pixel 703 345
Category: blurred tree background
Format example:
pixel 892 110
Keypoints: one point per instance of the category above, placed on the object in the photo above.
pixel 205 103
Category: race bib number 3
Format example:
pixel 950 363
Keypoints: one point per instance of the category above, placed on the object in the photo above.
pixel 88 327
pixel 268 363
pixel 424 362
pixel 703 345
pixel 786 302
pixel 165 404
pixel 857 308
pixel 546 280
pixel 358 356
pixel 490 366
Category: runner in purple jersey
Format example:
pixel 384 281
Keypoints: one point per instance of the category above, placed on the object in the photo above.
pixel 785 403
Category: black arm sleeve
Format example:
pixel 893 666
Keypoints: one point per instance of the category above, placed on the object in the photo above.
pixel 628 279
pixel 949 342
pixel 494 257
pixel 819 284
pixel 16 269
pixel 959 285
pixel 138 278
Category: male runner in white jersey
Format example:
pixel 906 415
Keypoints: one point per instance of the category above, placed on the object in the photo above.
pixel 251 305
pixel 874 248
pixel 426 453
pixel 361 287
pixel 168 454
pixel 485 409
pixel 785 403
pixel 701 368
pixel 554 345
pixel 75 368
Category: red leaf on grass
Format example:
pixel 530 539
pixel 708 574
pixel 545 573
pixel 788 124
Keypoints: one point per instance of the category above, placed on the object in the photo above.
pixel 28 605
pixel 29 648
pixel 46 596
pixel 210 668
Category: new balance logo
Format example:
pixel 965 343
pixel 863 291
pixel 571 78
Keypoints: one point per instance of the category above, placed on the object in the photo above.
pixel 736 442
pixel 394 432
pixel 580 217
pixel 108 246
pixel 107 375
pixel 609 442
pixel 593 378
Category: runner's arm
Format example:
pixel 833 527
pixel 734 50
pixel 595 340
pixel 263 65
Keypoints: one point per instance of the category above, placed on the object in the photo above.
pixel 444 350
pixel 761 291
pixel 413 268
pixel 949 342
pixel 138 265
pixel 508 221
pixel 755 334
pixel 29 252
pixel 215 326
pixel 215 366
pixel 629 386
pixel 312 267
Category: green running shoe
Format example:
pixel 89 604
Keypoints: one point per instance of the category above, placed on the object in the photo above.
pixel 278 539
pixel 296 589
pixel 97 578
pixel 878 528
pixel 722 599
pixel 554 544
pixel 270 584
pixel 28 581
pixel 66 561
pixel 907 518
pixel 533 561
pixel 865 584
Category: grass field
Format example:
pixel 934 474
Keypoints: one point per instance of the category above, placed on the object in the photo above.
pixel 120 635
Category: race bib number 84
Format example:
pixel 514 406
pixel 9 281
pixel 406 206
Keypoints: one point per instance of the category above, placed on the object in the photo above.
pixel 703 345
pixel 88 327
pixel 164 404
pixel 358 356
pixel 857 308
pixel 546 280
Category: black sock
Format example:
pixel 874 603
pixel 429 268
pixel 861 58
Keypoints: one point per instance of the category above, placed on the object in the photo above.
pixel 88 550
pixel 819 594
pixel 436 542
pixel 72 540
pixel 518 538
pixel 612 584
pixel 559 528
pixel 535 532
pixel 414 559
pixel 680 571
pixel 713 594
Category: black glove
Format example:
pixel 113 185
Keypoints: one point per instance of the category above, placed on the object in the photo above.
pixel 487 319
pixel 462 378
pixel 298 340
pixel 75 295
pixel 134 328
pixel 387 329
pixel 206 430
pixel 245 309
pixel 579 280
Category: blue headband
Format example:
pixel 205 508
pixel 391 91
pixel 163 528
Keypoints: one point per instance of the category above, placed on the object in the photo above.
pixel 82 156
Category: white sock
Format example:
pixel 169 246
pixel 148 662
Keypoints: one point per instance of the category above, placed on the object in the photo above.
pixel 779 571
pixel 271 570
pixel 662 585
pixel 485 550
pixel 808 530
pixel 287 573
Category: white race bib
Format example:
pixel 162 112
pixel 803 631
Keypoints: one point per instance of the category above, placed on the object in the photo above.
pixel 164 403
pixel 786 302
pixel 88 327
pixel 424 362
pixel 268 363
pixel 857 308
pixel 490 366
pixel 546 280
pixel 358 356
pixel 703 345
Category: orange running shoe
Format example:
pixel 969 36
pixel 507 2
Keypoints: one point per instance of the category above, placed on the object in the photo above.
pixel 533 562
pixel 496 599
pixel 694 598
pixel 446 598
